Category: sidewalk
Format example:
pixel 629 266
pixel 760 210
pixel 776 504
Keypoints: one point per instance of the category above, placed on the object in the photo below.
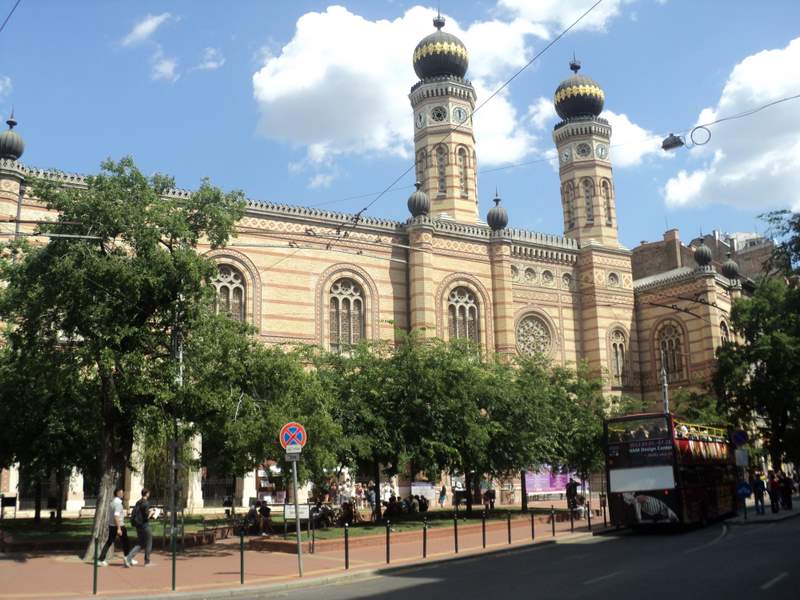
pixel 753 518
pixel 216 567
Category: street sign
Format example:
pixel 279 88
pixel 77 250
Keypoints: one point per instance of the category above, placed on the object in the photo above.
pixel 742 457
pixel 743 489
pixel 302 511
pixel 739 437
pixel 292 436
pixel 293 449
pixel 292 457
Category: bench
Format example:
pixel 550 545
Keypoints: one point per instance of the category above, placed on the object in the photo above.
pixel 90 506
pixel 8 502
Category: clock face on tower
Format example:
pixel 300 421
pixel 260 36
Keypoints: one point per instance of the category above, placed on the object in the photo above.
pixel 420 120
pixel 439 114
pixel 583 150
pixel 565 156
pixel 601 150
pixel 459 114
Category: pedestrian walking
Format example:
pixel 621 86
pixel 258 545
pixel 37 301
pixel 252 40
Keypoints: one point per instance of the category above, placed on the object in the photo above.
pixel 140 518
pixel 787 488
pixel 442 496
pixel 774 491
pixel 116 527
pixel 372 500
pixel 759 487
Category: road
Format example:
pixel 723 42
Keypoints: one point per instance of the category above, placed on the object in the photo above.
pixel 721 561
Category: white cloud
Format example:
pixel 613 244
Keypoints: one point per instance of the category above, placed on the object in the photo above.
pixel 630 143
pixel 143 29
pixel 556 15
pixel 753 162
pixel 5 87
pixel 542 113
pixel 164 67
pixel 212 59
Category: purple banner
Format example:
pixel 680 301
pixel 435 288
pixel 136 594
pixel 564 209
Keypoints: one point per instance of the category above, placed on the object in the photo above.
pixel 547 479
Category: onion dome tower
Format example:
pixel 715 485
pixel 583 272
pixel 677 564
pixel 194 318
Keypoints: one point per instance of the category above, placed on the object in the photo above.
pixel 497 217
pixel 730 268
pixel 703 257
pixel 11 144
pixel 418 203
pixel 582 139
pixel 444 144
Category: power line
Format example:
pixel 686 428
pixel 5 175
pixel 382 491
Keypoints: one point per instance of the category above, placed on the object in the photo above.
pixel 3 26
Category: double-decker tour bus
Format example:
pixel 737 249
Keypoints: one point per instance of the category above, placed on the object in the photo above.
pixel 661 470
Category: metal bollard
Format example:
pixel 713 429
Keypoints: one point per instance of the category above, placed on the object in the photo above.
pixel 346 546
pixel 483 527
pixel 313 532
pixel 388 542
pixel 94 576
pixel 425 537
pixel 571 519
pixel 553 518
pixel 605 522
pixel 455 531
pixel 533 528
pixel 744 502
pixel 241 556
pixel 508 519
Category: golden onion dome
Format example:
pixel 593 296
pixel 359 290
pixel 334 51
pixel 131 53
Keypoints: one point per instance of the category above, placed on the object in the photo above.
pixel 440 54
pixel 578 96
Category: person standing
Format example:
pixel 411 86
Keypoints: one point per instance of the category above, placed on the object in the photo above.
pixel 787 488
pixel 116 527
pixel 140 518
pixel 774 491
pixel 758 492
pixel 442 496
pixel 372 499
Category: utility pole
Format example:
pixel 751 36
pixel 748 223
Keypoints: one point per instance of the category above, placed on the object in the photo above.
pixel 664 383
pixel 177 349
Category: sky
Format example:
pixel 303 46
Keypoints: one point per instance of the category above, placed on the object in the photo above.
pixel 306 102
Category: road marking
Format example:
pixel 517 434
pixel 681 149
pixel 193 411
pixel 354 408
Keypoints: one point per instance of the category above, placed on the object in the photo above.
pixel 711 543
pixel 774 580
pixel 601 578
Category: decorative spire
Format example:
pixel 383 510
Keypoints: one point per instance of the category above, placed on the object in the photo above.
pixel 418 203
pixel 11 122
pixel 438 22
pixel 575 64
pixel 730 268
pixel 12 145
pixel 702 256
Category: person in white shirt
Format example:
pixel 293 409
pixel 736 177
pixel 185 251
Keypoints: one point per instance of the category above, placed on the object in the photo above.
pixel 116 527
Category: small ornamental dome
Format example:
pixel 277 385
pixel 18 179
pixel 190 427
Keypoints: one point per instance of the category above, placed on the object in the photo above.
pixel 578 96
pixel 729 268
pixel 418 203
pixel 702 256
pixel 497 217
pixel 440 54
pixel 11 144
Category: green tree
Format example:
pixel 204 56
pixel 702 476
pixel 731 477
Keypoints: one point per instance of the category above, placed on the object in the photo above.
pixel 118 281
pixel 785 226
pixel 758 381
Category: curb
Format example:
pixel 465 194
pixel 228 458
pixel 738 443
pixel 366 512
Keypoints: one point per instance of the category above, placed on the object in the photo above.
pixel 345 577
pixel 768 521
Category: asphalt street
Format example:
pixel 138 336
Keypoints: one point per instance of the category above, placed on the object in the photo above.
pixel 720 561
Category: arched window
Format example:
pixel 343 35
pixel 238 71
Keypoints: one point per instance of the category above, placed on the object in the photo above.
pixel 533 336
pixel 618 351
pixel 421 168
pixel 231 292
pixel 569 204
pixel 724 333
pixel 462 315
pixel 441 168
pixel 588 192
pixel 670 350
pixel 346 314
pixel 462 171
pixel 605 192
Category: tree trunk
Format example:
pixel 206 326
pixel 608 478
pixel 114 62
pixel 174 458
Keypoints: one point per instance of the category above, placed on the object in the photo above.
pixel 37 502
pixel 60 505
pixel 524 485
pixel 377 474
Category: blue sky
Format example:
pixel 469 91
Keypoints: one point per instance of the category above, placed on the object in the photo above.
pixel 326 116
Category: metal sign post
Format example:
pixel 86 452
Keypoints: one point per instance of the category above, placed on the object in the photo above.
pixel 292 438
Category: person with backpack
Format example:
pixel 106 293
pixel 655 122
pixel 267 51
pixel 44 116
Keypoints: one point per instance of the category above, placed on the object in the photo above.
pixel 140 518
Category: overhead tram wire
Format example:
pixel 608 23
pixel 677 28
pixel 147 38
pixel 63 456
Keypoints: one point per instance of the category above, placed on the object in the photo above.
pixel 360 213
pixel 8 17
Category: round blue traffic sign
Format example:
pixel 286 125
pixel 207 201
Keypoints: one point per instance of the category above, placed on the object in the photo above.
pixel 743 489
